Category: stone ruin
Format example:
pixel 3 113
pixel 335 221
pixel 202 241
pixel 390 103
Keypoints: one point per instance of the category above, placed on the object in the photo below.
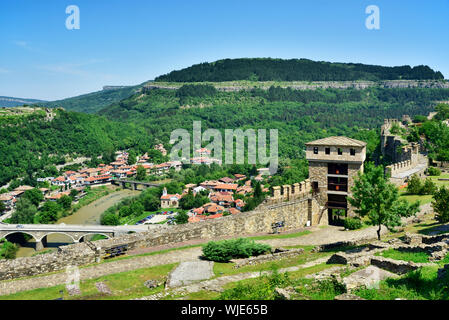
pixel 289 192
pixel 364 256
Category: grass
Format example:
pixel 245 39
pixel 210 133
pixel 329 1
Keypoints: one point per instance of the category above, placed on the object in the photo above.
pixel 224 269
pixel 424 199
pixel 124 285
pixel 421 284
pixel 282 236
pixel 418 257
pixel 262 288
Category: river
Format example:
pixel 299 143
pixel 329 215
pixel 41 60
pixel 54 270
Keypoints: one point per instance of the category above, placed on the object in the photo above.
pixel 89 214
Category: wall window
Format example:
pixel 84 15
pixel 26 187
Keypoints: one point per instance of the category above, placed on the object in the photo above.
pixel 328 150
pixel 340 151
pixel 315 150
pixel 352 152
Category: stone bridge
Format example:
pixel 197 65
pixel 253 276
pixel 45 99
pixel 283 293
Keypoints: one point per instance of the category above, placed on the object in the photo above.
pixel 134 184
pixel 76 232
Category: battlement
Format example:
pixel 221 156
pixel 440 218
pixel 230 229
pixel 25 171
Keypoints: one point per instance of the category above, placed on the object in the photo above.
pixel 289 192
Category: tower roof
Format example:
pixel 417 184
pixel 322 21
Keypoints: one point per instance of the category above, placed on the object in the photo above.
pixel 337 141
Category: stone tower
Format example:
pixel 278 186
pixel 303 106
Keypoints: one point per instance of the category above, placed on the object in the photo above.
pixel 333 164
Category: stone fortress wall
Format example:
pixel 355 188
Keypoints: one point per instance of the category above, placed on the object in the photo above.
pixel 405 155
pixel 297 210
pixel 289 192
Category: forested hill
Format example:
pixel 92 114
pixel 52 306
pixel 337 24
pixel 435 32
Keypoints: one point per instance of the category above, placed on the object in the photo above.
pixel 92 102
pixel 299 115
pixel 267 69
pixel 33 142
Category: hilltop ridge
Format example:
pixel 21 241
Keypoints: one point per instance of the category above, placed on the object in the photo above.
pixel 268 69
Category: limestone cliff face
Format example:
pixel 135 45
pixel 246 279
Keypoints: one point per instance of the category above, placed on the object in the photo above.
pixel 303 85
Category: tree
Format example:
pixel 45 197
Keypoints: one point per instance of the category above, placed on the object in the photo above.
pixel 25 212
pixel 414 185
pixel 49 212
pixel 35 196
pixel 132 157
pixel 440 204
pixel 65 202
pixel 109 219
pixel 2 206
pixel 443 111
pixel 136 208
pixel 8 250
pixel 73 194
pixel 141 173
pixel 187 201
pixel 124 211
pixel 151 203
pixel 429 187
pixel 378 199
pixel 182 218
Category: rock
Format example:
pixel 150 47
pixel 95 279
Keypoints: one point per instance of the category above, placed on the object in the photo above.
pixel 74 290
pixel 348 296
pixel 151 284
pixel 368 277
pixel 103 288
pixel 284 293
pixel 412 239
pixel 189 272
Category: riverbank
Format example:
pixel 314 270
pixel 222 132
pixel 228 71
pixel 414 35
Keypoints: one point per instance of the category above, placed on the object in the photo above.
pixel 89 213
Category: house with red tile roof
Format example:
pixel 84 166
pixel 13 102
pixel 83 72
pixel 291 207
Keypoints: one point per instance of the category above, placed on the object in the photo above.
pixel 8 200
pixel 170 200
pixel 224 199
pixel 226 180
pixel 226 187
pixel 209 184
pixel 239 176
pixel 239 204
pixel 203 152
pixel 234 211
pixel 95 180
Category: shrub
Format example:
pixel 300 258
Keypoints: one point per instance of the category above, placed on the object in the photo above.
pixel 182 218
pixel 432 171
pixel 429 187
pixel 353 223
pixel 440 204
pixel 414 185
pixel 263 288
pixel 223 251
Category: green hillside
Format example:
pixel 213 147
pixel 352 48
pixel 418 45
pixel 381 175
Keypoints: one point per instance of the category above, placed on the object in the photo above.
pixel 31 142
pixel 92 102
pixel 299 115
pixel 267 69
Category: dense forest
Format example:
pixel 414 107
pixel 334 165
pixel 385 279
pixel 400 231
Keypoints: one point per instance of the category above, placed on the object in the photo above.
pixel 267 69
pixel 299 116
pixel 31 143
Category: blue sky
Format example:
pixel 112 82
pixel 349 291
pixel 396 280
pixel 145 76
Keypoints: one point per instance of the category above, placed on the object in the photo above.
pixel 128 42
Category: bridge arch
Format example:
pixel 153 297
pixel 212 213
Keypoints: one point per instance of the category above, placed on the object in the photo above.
pixel 9 233
pixel 81 238
pixel 68 235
